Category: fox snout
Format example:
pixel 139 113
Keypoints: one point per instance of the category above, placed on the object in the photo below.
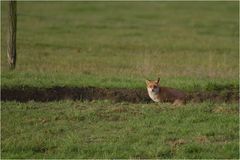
pixel 154 89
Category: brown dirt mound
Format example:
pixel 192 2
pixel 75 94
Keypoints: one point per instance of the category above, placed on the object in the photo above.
pixel 24 94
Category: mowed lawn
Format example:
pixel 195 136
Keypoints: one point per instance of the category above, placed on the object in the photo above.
pixel 102 129
pixel 119 44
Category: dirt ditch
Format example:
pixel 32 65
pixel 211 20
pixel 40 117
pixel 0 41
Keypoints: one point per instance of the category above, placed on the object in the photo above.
pixel 24 94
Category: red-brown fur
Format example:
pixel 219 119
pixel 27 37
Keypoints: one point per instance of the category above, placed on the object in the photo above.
pixel 165 94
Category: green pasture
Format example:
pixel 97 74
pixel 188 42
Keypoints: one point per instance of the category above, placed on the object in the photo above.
pixel 119 44
pixel 102 129
pixel 189 45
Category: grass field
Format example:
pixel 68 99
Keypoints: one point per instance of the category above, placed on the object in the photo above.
pixel 192 46
pixel 102 129
pixel 119 44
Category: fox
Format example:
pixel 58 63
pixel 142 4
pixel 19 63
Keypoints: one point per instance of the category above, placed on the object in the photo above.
pixel 165 94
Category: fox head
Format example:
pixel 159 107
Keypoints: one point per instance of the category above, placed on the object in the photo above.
pixel 153 86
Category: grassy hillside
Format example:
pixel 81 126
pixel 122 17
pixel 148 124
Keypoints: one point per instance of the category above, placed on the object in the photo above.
pixel 119 44
pixel 102 129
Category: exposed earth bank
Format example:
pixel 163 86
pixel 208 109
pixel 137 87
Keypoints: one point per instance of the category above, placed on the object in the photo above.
pixel 24 94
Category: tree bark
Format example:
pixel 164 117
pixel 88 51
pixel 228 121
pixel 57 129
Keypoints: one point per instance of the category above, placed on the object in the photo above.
pixel 11 46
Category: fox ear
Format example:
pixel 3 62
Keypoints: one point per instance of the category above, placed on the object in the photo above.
pixel 158 80
pixel 147 81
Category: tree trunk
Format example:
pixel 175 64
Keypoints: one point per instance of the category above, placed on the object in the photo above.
pixel 11 46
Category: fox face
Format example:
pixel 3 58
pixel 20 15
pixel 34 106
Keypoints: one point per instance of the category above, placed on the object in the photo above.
pixel 153 89
pixel 153 86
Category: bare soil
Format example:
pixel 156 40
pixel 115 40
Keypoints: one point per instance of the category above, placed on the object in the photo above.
pixel 24 94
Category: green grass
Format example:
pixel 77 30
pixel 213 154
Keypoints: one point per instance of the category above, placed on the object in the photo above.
pixel 119 44
pixel 190 45
pixel 44 80
pixel 102 129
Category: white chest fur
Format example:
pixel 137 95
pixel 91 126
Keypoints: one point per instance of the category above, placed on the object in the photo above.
pixel 153 95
